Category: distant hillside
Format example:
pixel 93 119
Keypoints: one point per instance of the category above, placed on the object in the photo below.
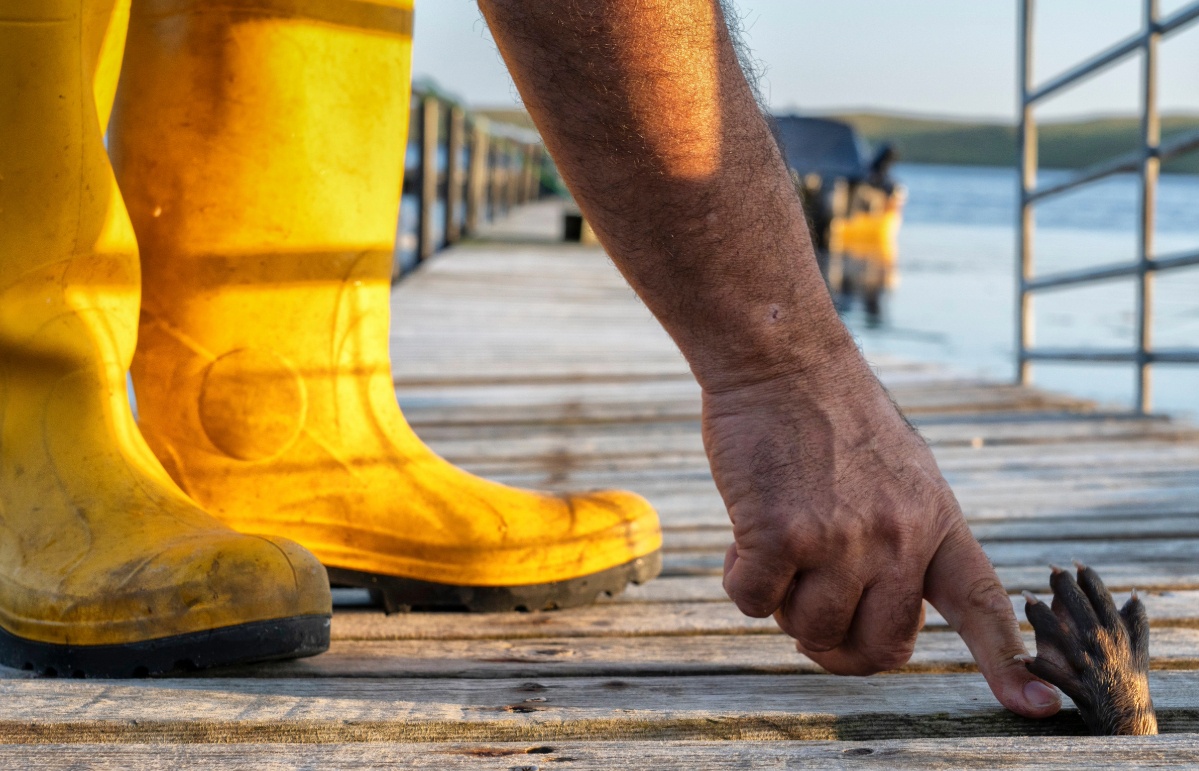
pixel 1068 145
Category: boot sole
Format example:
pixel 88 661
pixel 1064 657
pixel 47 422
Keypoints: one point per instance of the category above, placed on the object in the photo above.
pixel 401 595
pixel 283 638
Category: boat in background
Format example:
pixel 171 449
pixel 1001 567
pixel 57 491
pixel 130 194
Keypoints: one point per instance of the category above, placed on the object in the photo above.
pixel 853 205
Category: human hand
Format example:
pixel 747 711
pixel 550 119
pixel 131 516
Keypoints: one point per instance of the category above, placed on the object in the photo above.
pixel 843 525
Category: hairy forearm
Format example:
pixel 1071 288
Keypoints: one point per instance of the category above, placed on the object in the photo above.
pixel 651 121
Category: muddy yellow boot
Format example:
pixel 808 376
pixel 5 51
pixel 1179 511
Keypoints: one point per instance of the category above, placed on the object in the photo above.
pixel 261 145
pixel 106 568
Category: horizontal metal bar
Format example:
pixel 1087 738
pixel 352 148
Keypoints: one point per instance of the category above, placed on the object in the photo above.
pixel 1178 19
pixel 1171 23
pixel 1122 164
pixel 1104 272
pixel 1089 67
pixel 1125 163
pixel 1084 276
pixel 1101 356
pixel 1179 356
pixel 1079 354
pixel 1129 162
pixel 1178 145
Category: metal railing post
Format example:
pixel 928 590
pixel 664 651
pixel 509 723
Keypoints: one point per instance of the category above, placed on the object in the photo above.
pixel 1150 170
pixel 1145 161
pixel 1028 180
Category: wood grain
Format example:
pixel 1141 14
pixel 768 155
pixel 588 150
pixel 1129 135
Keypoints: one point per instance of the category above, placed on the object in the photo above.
pixel 725 708
pixel 1013 754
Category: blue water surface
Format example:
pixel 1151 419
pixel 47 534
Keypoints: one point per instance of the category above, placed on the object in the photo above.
pixel 955 302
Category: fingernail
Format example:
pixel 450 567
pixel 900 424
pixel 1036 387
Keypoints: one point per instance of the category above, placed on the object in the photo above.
pixel 1040 695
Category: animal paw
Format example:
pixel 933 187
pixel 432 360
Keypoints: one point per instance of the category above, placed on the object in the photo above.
pixel 1097 655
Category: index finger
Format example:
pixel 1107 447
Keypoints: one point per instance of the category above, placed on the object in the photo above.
pixel 963 586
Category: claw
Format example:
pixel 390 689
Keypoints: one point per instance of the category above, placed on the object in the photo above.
pixel 1029 597
pixel 1134 594
pixel 1078 564
pixel 1056 569
pixel 1024 658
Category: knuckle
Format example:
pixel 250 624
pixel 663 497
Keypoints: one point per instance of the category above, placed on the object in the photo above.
pixel 987 597
pixel 818 640
pixel 754 599
pixel 943 499
pixel 891 658
pixel 853 669
pixel 750 600
pixel 815 631
pixel 888 654
pixel 753 606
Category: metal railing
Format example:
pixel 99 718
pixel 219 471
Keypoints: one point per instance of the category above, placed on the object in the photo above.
pixel 476 169
pixel 1145 161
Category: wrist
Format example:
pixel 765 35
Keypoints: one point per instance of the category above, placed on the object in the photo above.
pixel 812 351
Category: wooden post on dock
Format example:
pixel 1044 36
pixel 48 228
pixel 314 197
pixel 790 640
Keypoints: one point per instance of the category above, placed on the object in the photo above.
pixel 512 188
pixel 522 173
pixel 428 177
pixel 453 174
pixel 495 161
pixel 526 168
pixel 476 181
pixel 533 173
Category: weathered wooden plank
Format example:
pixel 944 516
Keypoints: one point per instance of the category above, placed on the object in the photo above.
pixel 427 413
pixel 718 538
pixel 930 396
pixel 647 442
pixel 1012 753
pixel 330 710
pixel 1005 553
pixel 996 497
pixel 1109 470
pixel 695 502
pixel 676 656
pixel 1010 496
pixel 1146 576
pixel 1175 608
pixel 665 477
pixel 684 436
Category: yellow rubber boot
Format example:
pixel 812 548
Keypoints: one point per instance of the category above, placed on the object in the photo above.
pixel 260 144
pixel 106 568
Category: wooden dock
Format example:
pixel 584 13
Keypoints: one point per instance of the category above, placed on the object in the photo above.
pixel 531 362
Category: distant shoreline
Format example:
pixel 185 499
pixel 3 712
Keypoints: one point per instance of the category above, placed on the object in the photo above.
pixel 948 142
pixel 1063 145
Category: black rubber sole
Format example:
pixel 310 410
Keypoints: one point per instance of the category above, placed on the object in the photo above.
pixel 284 638
pixel 401 595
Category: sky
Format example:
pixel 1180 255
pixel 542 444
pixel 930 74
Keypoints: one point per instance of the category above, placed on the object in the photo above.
pixel 953 58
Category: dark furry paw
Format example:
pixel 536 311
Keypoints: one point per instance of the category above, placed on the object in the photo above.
pixel 1097 655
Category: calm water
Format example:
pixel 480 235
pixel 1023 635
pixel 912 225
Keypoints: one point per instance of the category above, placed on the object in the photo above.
pixel 955 302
